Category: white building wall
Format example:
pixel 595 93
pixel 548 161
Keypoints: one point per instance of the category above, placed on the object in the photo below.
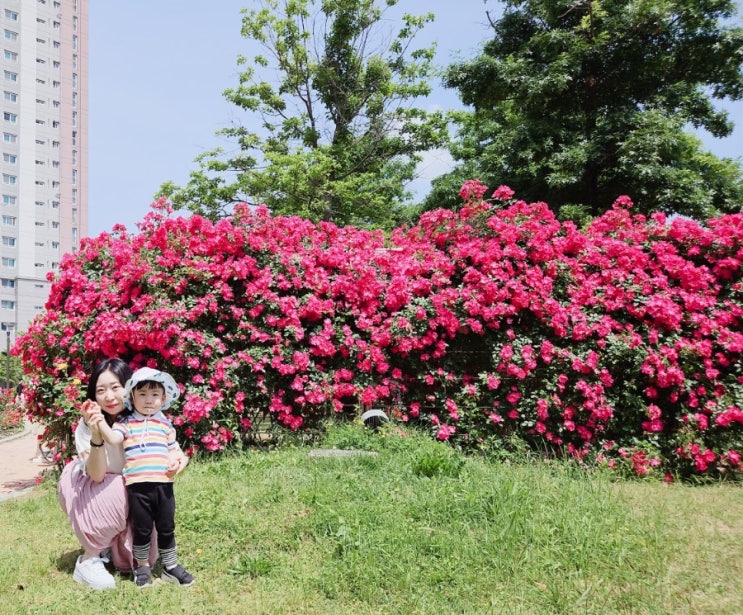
pixel 44 144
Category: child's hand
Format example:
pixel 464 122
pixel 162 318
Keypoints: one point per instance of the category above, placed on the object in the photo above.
pixel 174 466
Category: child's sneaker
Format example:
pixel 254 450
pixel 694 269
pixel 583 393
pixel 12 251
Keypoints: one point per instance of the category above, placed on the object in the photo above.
pixel 177 576
pixel 143 576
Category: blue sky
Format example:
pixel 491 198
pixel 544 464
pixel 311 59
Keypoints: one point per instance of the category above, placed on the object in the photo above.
pixel 157 73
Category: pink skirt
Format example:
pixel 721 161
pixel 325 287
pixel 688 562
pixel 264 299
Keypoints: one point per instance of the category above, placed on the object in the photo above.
pixel 98 514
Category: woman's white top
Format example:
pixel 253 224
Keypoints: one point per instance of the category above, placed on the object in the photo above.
pixel 114 452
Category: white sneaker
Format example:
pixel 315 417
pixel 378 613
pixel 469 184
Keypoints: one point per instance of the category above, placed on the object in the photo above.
pixel 93 573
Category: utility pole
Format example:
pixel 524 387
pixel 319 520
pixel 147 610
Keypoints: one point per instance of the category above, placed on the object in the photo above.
pixel 8 326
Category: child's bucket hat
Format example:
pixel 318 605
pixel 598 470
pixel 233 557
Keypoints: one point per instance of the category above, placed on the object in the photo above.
pixel 147 374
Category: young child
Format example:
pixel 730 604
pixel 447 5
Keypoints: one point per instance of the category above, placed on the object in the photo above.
pixel 150 453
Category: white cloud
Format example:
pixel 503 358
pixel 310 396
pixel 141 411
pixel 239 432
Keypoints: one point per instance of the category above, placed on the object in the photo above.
pixel 435 163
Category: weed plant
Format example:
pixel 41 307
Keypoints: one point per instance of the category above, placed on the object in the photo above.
pixel 415 529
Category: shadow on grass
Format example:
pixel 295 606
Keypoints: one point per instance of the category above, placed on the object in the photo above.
pixel 66 561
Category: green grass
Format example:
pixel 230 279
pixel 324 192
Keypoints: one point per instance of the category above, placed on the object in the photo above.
pixel 415 529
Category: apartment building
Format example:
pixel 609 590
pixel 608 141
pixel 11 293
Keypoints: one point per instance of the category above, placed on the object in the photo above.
pixel 44 206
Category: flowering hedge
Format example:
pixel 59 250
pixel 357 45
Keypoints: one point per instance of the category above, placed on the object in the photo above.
pixel 619 343
pixel 11 413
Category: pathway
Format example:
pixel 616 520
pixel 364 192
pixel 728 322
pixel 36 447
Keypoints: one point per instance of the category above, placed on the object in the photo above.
pixel 20 464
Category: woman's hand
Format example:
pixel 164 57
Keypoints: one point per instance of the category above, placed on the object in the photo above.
pixel 93 416
pixel 95 465
pixel 94 422
pixel 90 409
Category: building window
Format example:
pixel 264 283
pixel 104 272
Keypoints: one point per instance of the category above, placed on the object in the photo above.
pixel 55 144
pixel 55 204
pixel 12 15
pixel 74 42
pixel 9 137
pixel 9 220
pixel 55 25
pixel 74 80
pixel 11 55
pixel 10 75
pixel 7 304
pixel 7 283
pixel 10 35
pixel 39 101
pixel 74 177
pixel 40 203
pixel 74 118
pixel 10 96
pixel 8 241
pixel 55 245
pixel 8 199
pixel 9 179
pixel 56 64
pixel 8 261
pixel 74 137
pixel 10 158
pixel 40 122
pixel 56 44
pixel 39 224
pixel 10 117
pixel 39 265
pixel 55 224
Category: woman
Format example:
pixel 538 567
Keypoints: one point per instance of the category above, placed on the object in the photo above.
pixel 91 489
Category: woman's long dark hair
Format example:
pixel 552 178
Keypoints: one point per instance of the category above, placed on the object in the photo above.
pixel 118 368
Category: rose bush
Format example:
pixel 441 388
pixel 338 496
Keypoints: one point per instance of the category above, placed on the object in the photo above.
pixel 11 412
pixel 619 343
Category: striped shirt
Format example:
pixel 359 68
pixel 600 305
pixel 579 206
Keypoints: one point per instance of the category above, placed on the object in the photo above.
pixel 148 442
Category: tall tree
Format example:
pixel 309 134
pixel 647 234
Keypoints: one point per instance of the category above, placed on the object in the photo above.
pixel 333 133
pixel 575 102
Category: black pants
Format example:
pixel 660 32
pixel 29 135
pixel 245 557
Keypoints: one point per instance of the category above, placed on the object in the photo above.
pixel 152 503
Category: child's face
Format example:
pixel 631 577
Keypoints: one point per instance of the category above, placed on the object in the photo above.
pixel 149 398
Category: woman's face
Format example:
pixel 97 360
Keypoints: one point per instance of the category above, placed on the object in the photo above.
pixel 109 393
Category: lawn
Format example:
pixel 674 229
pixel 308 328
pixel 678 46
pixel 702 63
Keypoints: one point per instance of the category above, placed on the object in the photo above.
pixel 414 529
